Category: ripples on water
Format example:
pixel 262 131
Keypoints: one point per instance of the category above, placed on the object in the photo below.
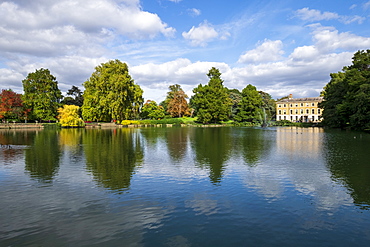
pixel 184 187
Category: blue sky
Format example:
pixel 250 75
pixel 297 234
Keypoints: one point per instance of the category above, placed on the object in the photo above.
pixel 281 47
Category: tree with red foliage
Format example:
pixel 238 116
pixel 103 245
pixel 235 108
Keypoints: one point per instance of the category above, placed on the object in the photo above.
pixel 11 105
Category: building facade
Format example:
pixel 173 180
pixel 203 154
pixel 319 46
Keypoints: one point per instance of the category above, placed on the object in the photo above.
pixel 299 110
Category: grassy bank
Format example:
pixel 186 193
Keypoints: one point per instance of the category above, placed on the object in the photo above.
pixel 173 121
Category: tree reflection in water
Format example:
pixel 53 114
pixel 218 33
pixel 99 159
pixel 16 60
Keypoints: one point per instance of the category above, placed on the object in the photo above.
pixel 112 155
pixel 177 142
pixel 348 160
pixel 42 158
pixel 212 147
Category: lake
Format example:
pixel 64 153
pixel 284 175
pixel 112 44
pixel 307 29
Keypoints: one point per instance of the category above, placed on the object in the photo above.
pixel 185 186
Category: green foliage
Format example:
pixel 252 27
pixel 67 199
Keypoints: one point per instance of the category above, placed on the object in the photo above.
pixel 151 110
pixel 347 95
pixel 111 94
pixel 250 106
pixel 268 104
pixel 174 121
pixel 235 96
pixel 68 116
pixel 211 102
pixel 41 95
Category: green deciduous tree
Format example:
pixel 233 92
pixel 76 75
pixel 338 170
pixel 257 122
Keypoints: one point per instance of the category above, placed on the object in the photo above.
pixel 250 107
pixel 41 95
pixel 211 102
pixel 347 95
pixel 151 110
pixel 111 94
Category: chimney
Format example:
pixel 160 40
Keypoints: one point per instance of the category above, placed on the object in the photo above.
pixel 290 96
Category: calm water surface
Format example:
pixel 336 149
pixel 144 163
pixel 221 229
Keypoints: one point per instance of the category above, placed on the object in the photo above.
pixel 184 187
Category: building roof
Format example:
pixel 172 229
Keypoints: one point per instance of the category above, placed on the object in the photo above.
pixel 308 99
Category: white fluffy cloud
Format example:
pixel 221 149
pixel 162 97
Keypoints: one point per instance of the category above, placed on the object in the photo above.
pixel 329 39
pixel 266 52
pixel 66 26
pixel 303 72
pixel 156 78
pixel 180 71
pixel 69 37
pixel 201 35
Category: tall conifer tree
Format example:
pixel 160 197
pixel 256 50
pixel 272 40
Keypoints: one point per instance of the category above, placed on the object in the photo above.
pixel 211 101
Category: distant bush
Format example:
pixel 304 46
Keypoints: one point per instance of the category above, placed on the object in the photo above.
pixel 129 122
pixel 68 116
pixel 175 121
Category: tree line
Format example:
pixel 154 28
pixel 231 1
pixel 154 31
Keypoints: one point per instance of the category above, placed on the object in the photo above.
pixel 110 94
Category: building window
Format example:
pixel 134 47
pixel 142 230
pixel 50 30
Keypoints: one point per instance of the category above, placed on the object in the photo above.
pixel 279 112
pixel 296 111
pixel 313 111
pixel 307 104
pixel 307 111
pixel 279 117
pixel 284 105
pixel 291 118
pixel 291 105
pixel 296 105
pixel 301 104
pixel 313 118
pixel 279 105
pixel 313 104
pixel 284 112
pixel 296 118
pixel 284 117
pixel 301 111
pixel 291 112
pixel 318 111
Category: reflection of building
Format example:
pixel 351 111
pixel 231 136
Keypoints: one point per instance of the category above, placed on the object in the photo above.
pixel 299 110
pixel 300 141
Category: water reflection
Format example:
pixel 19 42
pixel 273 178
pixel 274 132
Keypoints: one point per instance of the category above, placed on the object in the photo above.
pixel 280 186
pixel 295 165
pixel 177 143
pixel 13 142
pixel 254 144
pixel 112 155
pixel 70 140
pixel 300 141
pixel 347 156
pixel 42 157
pixel 212 148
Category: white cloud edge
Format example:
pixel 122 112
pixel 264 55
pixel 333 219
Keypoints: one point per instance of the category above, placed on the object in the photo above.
pixel 313 15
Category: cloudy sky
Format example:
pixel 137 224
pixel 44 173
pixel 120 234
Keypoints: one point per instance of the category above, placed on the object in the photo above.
pixel 279 46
